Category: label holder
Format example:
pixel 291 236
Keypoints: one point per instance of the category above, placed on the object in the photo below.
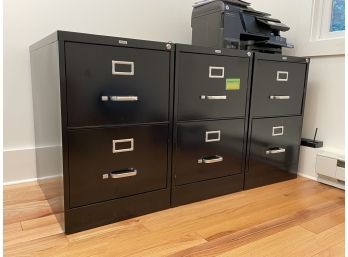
pixel 209 133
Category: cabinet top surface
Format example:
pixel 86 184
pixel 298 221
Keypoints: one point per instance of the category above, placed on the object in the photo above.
pixel 68 36
pixel 281 58
pixel 211 50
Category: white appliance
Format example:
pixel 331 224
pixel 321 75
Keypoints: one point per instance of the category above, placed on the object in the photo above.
pixel 330 167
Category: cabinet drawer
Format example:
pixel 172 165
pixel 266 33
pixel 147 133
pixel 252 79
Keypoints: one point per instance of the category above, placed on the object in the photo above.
pixel 116 85
pixel 208 149
pixel 274 150
pixel 211 86
pixel 99 214
pixel 115 162
pixel 277 88
pixel 202 190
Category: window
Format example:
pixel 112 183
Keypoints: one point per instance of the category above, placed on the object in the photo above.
pixel 328 19
pixel 321 28
pixel 337 16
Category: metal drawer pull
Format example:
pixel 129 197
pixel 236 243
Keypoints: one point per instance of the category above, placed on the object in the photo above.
pixel 128 98
pixel 211 159
pixel 221 69
pixel 123 173
pixel 275 151
pixel 129 149
pixel 281 77
pixel 209 136
pixel 126 73
pixel 213 97
pixel 279 97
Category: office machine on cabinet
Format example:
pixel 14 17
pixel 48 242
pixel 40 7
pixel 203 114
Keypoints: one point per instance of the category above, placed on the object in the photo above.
pixel 234 24
pixel 114 114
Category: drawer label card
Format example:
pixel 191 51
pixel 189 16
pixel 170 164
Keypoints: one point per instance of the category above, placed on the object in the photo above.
pixel 233 84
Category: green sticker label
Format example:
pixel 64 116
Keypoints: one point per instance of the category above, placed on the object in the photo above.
pixel 232 84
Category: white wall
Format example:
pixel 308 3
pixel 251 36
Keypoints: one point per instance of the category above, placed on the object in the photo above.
pixel 325 101
pixel 26 22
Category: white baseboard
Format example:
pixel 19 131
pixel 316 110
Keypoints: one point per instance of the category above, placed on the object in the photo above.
pixel 20 164
pixel 331 182
pixel 323 180
pixel 31 180
pixel 307 176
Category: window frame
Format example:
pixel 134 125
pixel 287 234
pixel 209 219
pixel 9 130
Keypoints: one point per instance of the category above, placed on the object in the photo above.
pixel 317 38
pixel 321 21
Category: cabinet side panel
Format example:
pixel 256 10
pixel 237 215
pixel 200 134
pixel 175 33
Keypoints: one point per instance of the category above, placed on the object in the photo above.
pixel 47 122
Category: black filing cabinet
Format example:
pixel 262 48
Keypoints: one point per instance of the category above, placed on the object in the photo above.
pixel 276 114
pixel 210 117
pixel 112 99
pixel 132 132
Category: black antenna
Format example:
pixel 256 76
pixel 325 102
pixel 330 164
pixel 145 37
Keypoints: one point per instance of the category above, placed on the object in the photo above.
pixel 315 134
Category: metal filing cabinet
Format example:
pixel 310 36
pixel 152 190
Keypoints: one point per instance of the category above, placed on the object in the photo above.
pixel 112 101
pixel 276 114
pixel 126 148
pixel 210 114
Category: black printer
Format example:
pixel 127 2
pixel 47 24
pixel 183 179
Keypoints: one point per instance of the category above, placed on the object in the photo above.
pixel 234 24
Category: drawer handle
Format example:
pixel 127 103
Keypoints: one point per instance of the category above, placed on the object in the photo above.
pixel 128 98
pixel 275 151
pixel 282 75
pixel 279 97
pixel 211 159
pixel 221 69
pixel 124 63
pixel 213 97
pixel 123 173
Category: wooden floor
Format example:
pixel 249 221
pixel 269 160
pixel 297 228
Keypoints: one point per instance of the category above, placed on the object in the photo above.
pixel 295 218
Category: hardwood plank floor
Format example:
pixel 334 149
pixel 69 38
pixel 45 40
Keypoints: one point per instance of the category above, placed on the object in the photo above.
pixel 295 218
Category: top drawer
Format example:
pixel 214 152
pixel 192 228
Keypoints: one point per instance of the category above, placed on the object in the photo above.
pixel 116 85
pixel 278 88
pixel 211 86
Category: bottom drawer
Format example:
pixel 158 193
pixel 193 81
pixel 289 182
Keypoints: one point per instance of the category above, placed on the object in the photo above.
pixel 108 163
pixel 206 189
pixel 274 150
pixel 98 214
pixel 207 150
